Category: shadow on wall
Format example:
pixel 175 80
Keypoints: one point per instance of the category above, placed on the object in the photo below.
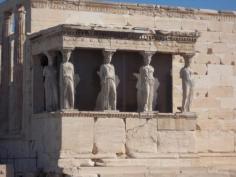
pixel 46 129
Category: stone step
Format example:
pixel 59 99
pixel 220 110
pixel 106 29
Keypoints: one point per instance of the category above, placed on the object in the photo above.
pixel 150 172
pixel 160 162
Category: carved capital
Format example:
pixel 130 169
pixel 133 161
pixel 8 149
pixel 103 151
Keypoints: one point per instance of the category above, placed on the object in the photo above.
pixel 7 15
pixel 50 55
pixel 66 53
pixel 20 9
pixel 147 54
pixel 108 53
pixel 188 57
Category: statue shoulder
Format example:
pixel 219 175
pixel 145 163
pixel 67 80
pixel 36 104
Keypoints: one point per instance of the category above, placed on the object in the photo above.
pixel 70 64
pixel 102 66
pixel 182 72
pixel 152 68
pixel 44 70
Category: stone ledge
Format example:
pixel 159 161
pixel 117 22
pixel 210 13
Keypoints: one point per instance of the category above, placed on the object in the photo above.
pixel 65 155
pixel 165 121
pixel 157 171
pixel 114 114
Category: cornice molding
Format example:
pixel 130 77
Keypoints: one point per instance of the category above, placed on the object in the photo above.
pixel 122 115
pixel 121 34
pixel 71 36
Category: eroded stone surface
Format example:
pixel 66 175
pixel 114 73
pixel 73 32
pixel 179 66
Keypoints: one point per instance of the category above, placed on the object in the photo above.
pixel 175 141
pixel 109 136
pixel 215 141
pixel 214 101
pixel 141 135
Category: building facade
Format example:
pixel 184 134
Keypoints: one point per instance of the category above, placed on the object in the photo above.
pixel 87 136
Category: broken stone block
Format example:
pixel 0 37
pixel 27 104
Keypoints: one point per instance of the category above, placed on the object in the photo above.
pixel 141 135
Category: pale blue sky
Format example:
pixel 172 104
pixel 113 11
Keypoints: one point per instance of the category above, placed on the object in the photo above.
pixel 206 4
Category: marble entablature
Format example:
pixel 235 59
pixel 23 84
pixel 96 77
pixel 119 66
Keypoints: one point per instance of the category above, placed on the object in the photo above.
pixel 71 36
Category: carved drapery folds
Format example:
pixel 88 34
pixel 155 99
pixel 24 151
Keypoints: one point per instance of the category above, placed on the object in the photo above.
pixel 147 85
pixel 50 84
pixel 107 97
pixel 67 89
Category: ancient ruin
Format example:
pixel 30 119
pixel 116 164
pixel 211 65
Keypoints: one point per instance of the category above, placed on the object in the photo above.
pixel 100 89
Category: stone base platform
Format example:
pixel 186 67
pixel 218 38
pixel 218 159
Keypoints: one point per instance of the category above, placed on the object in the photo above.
pixel 125 144
pixel 154 172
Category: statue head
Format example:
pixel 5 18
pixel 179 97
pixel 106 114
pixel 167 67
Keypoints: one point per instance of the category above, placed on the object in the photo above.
pixel 50 61
pixel 188 59
pixel 50 56
pixel 147 57
pixel 107 56
pixel 66 55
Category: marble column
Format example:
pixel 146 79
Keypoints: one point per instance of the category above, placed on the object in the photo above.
pixel 19 39
pixel 6 69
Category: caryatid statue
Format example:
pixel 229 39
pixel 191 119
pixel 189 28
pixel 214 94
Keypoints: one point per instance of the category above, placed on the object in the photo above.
pixel 147 82
pixel 187 83
pixel 67 89
pixel 108 83
pixel 50 84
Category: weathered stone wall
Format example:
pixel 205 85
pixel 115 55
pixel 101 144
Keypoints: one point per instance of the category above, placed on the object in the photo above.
pixel 96 144
pixel 106 142
pixel 214 64
pixel 97 139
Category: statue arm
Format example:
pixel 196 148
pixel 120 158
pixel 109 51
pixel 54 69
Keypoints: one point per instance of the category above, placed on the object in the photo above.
pixel 61 86
pixel 61 76
pixel 73 71
pixel 136 75
pixel 44 73
pixel 102 75
pixel 188 77
pixel 185 76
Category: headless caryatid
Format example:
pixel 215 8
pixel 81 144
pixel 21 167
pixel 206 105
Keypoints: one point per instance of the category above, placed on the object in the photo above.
pixel 108 83
pixel 67 89
pixel 187 83
pixel 146 84
pixel 50 85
